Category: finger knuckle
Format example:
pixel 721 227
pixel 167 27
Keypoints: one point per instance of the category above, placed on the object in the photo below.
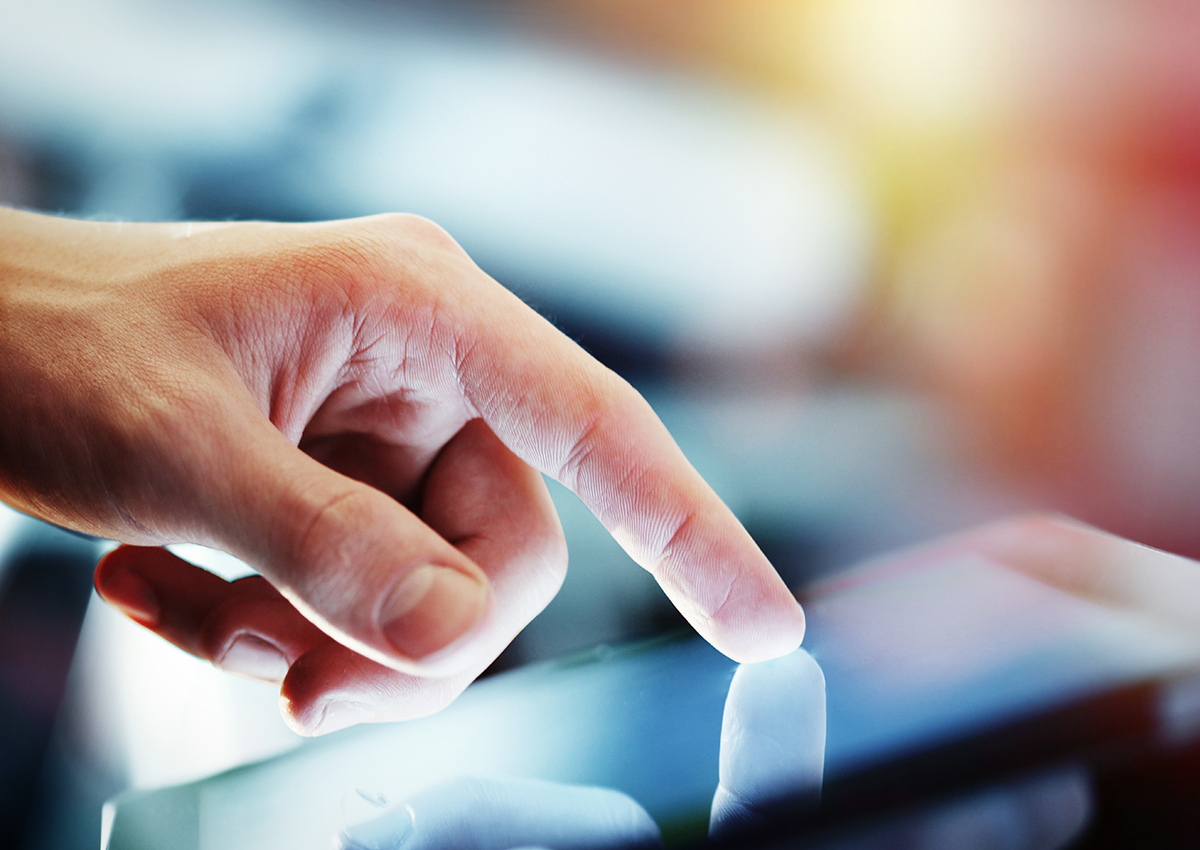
pixel 422 230
pixel 326 548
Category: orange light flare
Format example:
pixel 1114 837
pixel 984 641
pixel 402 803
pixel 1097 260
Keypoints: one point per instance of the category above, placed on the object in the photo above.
pixel 1056 304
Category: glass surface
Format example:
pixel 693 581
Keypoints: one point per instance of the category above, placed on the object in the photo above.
pixel 916 652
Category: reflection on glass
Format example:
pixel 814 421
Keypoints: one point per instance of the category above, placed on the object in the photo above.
pixel 772 740
pixel 921 657
pixel 772 744
pixel 500 814
pixel 772 749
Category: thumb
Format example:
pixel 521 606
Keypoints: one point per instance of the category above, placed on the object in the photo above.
pixel 353 560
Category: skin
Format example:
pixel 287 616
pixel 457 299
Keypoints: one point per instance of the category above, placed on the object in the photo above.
pixel 359 412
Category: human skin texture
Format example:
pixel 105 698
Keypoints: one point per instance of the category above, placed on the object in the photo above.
pixel 361 414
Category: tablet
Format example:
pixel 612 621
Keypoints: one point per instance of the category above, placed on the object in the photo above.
pixel 1015 647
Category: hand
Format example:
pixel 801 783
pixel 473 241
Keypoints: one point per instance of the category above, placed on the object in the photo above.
pixel 357 411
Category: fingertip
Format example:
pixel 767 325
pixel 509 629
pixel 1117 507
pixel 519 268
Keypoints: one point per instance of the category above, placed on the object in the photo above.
pixel 795 673
pixel 719 579
pixel 332 673
pixel 295 715
pixel 781 635
pixel 338 714
pixel 759 632
pixel 303 692
pixel 315 718
pixel 303 697
pixel 772 740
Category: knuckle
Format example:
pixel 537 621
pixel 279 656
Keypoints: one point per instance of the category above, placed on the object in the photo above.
pixel 220 629
pixel 323 537
pixel 574 464
pixel 325 551
pixel 423 231
pixel 355 270
pixel 238 617
pixel 605 407
pixel 387 246
pixel 679 539
pixel 343 262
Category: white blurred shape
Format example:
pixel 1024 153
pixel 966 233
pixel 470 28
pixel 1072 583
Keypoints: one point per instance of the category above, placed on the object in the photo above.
pixel 654 201
pixel 198 76
pixel 134 190
pixel 158 716
pixel 966 613
pixel 107 815
pixel 1179 711
pixel 660 201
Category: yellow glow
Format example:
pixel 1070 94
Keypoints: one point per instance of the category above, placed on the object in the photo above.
pixel 917 63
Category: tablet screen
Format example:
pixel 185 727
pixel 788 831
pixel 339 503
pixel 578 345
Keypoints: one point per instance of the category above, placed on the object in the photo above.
pixel 913 658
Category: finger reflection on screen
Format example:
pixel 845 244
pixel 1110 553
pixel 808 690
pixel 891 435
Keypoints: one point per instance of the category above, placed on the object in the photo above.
pixel 772 753
pixel 501 814
pixel 772 741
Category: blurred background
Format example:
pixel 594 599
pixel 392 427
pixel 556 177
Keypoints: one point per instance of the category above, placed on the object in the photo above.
pixel 886 268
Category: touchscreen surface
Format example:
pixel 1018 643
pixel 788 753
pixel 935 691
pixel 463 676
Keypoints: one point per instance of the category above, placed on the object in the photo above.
pixel 911 657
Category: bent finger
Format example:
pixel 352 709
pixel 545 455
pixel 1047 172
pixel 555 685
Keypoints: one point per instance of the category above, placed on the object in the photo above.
pixel 358 564
pixel 414 592
pixel 247 628
pixel 497 511
pixel 244 627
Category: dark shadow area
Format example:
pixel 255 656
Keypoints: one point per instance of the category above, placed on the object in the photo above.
pixel 46 586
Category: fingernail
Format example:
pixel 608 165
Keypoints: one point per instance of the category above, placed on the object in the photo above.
pixel 254 658
pixel 431 608
pixel 133 595
pixel 341 714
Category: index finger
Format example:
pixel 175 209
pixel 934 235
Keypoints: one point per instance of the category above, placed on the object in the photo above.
pixel 570 417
